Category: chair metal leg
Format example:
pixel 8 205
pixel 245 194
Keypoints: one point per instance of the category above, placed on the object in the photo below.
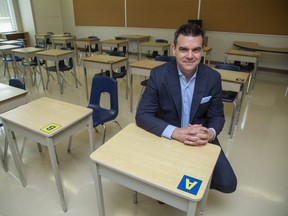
pixel 69 143
pixel 5 157
pixel 117 123
pixel 104 133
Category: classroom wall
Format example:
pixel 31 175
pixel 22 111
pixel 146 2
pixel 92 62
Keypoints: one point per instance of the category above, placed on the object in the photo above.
pixel 220 41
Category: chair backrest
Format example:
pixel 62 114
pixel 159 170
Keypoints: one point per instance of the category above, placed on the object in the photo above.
pixel 228 67
pixel 164 58
pixel 17 83
pixel 104 84
pixel 161 41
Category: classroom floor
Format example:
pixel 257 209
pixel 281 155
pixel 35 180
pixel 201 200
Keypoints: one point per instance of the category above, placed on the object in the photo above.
pixel 258 153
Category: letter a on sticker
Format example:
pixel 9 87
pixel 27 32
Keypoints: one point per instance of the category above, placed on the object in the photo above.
pixel 189 184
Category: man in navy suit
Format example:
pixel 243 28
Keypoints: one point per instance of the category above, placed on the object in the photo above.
pixel 183 101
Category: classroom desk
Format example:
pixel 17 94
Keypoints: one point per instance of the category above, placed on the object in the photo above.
pixel 10 98
pixel 244 56
pixel 86 42
pixel 62 40
pixel 207 54
pixel 234 81
pixel 138 38
pixel 143 68
pixel 114 43
pixel 33 120
pixel 57 55
pixel 7 50
pixel 256 47
pixel 27 54
pixel 155 166
pixel 103 62
pixel 154 46
pixel 42 38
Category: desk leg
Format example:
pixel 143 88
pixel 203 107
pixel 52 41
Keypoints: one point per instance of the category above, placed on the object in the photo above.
pixel 15 154
pixel 75 73
pixel 57 176
pixel 91 135
pixel 131 91
pixel 99 191
pixel 39 65
pixel 191 208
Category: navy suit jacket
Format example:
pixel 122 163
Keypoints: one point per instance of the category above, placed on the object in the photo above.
pixel 161 104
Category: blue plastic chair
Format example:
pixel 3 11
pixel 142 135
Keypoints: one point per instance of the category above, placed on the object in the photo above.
pixel 231 97
pixel 102 115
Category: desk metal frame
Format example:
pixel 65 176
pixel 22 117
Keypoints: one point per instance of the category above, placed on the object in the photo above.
pixel 28 53
pixel 57 55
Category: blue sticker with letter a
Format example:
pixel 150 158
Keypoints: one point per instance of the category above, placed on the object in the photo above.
pixel 190 185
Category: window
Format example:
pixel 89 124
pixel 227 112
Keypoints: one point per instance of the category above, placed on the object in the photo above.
pixel 7 16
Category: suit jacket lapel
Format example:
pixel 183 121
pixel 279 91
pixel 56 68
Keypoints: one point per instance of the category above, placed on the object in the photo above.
pixel 200 86
pixel 172 79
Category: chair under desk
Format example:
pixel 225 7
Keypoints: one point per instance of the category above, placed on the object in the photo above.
pixel 155 46
pixel 244 56
pixel 103 62
pixel 59 121
pixel 137 38
pixel 183 181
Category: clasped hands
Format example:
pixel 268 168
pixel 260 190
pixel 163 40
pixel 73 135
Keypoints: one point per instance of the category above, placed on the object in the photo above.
pixel 193 135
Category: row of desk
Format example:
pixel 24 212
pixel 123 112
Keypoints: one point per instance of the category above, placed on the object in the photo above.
pixel 121 165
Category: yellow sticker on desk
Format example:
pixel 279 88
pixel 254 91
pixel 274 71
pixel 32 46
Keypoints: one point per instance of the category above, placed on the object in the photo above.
pixel 50 128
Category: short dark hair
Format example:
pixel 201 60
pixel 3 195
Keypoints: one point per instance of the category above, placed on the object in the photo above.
pixel 189 29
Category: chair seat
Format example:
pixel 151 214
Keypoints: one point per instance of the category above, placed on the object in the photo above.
pixel 144 82
pixel 102 116
pixel 10 59
pixel 229 96
pixel 62 68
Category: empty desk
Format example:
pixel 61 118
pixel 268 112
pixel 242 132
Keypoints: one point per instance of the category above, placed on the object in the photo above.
pixel 137 38
pixel 47 121
pixel 155 46
pixel 103 62
pixel 244 56
pixel 114 43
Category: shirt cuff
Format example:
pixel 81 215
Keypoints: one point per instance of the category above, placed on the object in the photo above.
pixel 214 134
pixel 167 133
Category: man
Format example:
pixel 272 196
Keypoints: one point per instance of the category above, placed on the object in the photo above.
pixel 183 101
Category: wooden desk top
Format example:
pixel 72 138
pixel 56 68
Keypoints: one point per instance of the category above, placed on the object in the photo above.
pixel 243 53
pixel 157 161
pixel 146 64
pixel 233 76
pixel 63 38
pixel 28 50
pixel 87 39
pixel 105 59
pixel 155 44
pixel 255 46
pixel 54 52
pixel 8 47
pixel 134 37
pixel 44 111
pixel 7 92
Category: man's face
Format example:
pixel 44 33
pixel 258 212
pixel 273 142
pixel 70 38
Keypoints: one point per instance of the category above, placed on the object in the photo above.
pixel 188 52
